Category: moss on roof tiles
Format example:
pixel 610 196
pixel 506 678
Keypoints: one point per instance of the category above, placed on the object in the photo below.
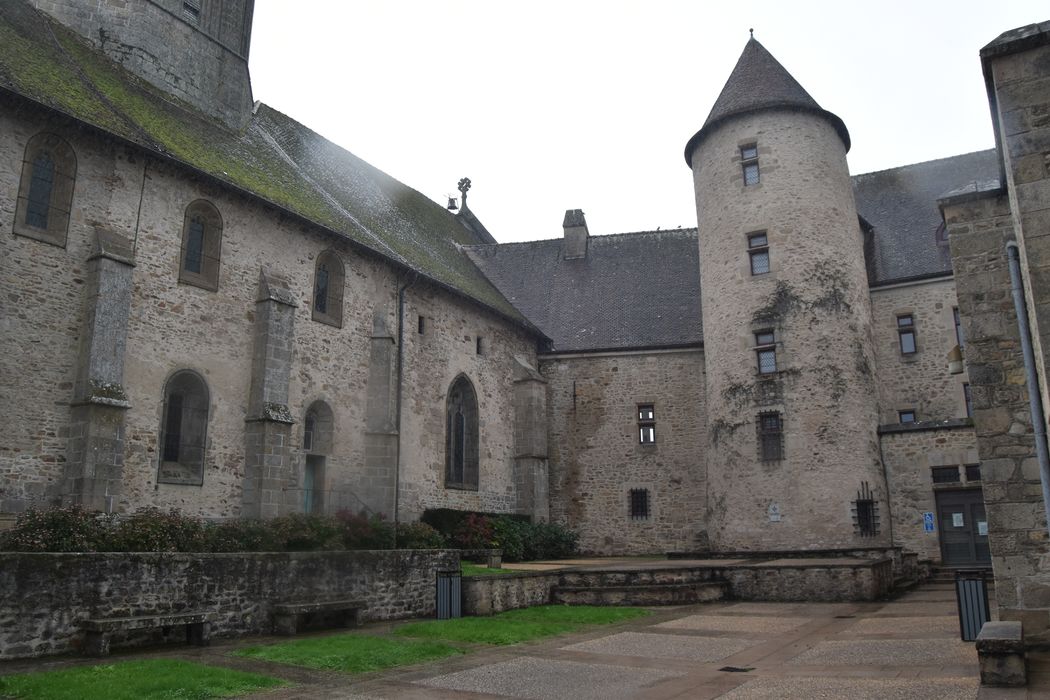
pixel 274 158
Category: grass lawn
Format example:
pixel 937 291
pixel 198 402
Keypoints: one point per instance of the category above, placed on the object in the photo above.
pixel 353 653
pixel 135 680
pixel 521 625
pixel 468 569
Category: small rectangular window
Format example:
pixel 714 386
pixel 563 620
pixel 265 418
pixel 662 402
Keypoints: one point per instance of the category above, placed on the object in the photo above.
pixel 968 399
pixel 191 11
pixel 766 352
pixel 422 325
pixel 758 250
pixel 770 437
pixel 646 424
pixel 945 475
pixel 480 346
pixel 638 504
pixel 906 416
pixel 959 338
pixel 973 472
pixel 866 518
pixel 906 334
pixel 749 162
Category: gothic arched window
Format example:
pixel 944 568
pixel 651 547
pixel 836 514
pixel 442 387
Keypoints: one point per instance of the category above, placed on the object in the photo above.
pixel 201 243
pixel 461 436
pixel 183 429
pixel 45 195
pixel 328 290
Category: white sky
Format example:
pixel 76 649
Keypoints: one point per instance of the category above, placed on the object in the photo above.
pixel 548 106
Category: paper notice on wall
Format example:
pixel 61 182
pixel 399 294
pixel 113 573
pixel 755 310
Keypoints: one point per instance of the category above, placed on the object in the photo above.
pixel 982 528
pixel 957 519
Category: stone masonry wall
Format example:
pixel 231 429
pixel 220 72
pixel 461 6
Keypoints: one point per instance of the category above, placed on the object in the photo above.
pixel 45 597
pixel 909 455
pixel 921 381
pixel 978 231
pixel 174 326
pixel 596 458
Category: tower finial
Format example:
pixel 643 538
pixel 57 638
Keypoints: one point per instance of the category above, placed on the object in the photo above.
pixel 752 30
pixel 463 186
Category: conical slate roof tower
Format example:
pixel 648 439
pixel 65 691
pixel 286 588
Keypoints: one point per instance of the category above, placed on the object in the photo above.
pixel 792 452
pixel 759 82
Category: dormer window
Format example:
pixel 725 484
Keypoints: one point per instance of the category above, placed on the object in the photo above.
pixel 191 11
pixel 749 162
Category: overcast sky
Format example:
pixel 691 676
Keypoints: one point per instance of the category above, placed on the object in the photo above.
pixel 548 106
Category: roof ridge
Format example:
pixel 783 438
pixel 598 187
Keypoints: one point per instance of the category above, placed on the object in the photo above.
pixel 592 237
pixel 924 162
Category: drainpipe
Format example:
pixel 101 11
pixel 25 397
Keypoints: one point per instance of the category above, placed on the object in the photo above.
pixel 400 373
pixel 1013 255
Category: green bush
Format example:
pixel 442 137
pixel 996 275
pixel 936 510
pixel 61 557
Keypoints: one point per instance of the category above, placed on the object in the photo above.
pixel 68 529
pixel 553 541
pixel 364 531
pixel 241 535
pixel 475 532
pixel 153 530
pixel 511 536
pixel 306 533
pixel 418 536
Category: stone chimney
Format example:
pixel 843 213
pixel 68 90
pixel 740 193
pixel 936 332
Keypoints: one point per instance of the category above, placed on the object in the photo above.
pixel 575 226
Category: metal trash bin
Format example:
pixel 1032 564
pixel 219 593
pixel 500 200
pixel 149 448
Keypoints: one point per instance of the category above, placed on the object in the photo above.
pixel 971 593
pixel 449 600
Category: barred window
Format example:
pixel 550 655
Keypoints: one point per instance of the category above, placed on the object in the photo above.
pixel 758 251
pixel 770 436
pixel 866 514
pixel 749 162
pixel 638 504
pixel 766 352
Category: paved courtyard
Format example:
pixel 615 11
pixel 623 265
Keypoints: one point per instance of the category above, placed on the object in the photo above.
pixel 907 648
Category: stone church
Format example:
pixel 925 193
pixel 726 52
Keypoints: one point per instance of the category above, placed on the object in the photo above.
pixel 207 306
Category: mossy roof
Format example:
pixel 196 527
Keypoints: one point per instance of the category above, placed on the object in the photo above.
pixel 274 158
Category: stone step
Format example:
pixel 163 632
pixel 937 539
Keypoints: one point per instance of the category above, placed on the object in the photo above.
pixel 647 577
pixel 650 594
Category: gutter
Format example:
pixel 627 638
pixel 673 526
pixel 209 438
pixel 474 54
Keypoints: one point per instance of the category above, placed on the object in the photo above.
pixel 1035 402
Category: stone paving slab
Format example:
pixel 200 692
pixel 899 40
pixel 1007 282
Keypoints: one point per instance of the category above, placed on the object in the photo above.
pixel 855 689
pixel 546 679
pixel 903 609
pixel 791 609
pixel 934 625
pixel 735 623
pixel 663 646
pixel 886 652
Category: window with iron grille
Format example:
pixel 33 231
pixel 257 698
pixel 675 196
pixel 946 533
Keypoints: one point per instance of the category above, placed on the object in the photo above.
pixel 906 416
pixel 758 250
pixel 770 436
pixel 766 352
pixel 866 512
pixel 973 472
pixel 749 162
pixel 945 475
pixel 638 504
pixel 906 333
pixel 646 424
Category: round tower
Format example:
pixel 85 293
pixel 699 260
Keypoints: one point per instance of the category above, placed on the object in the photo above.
pixel 793 454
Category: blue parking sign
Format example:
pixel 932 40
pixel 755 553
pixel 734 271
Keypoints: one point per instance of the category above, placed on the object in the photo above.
pixel 927 521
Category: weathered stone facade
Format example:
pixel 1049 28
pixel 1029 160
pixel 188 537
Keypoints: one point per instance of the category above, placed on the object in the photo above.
pixel 597 458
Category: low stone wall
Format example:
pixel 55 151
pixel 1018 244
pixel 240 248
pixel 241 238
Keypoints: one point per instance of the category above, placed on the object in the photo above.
pixel 490 594
pixel 813 580
pixel 45 597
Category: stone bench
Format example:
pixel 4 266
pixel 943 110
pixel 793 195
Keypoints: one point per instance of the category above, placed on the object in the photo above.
pixel 1000 654
pixel 98 630
pixel 287 617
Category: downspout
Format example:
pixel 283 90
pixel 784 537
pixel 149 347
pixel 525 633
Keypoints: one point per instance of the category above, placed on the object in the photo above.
pixel 400 374
pixel 1035 403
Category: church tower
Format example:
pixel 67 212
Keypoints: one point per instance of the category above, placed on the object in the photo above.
pixel 197 50
pixel 793 457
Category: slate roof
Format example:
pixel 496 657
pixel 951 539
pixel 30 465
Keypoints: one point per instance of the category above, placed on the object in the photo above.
pixel 632 290
pixel 759 82
pixel 901 205
pixel 274 159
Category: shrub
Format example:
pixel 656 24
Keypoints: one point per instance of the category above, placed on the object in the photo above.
pixel 553 541
pixel 364 531
pixel 306 533
pixel 153 530
pixel 237 535
pixel 418 536
pixel 475 532
pixel 68 529
pixel 511 536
